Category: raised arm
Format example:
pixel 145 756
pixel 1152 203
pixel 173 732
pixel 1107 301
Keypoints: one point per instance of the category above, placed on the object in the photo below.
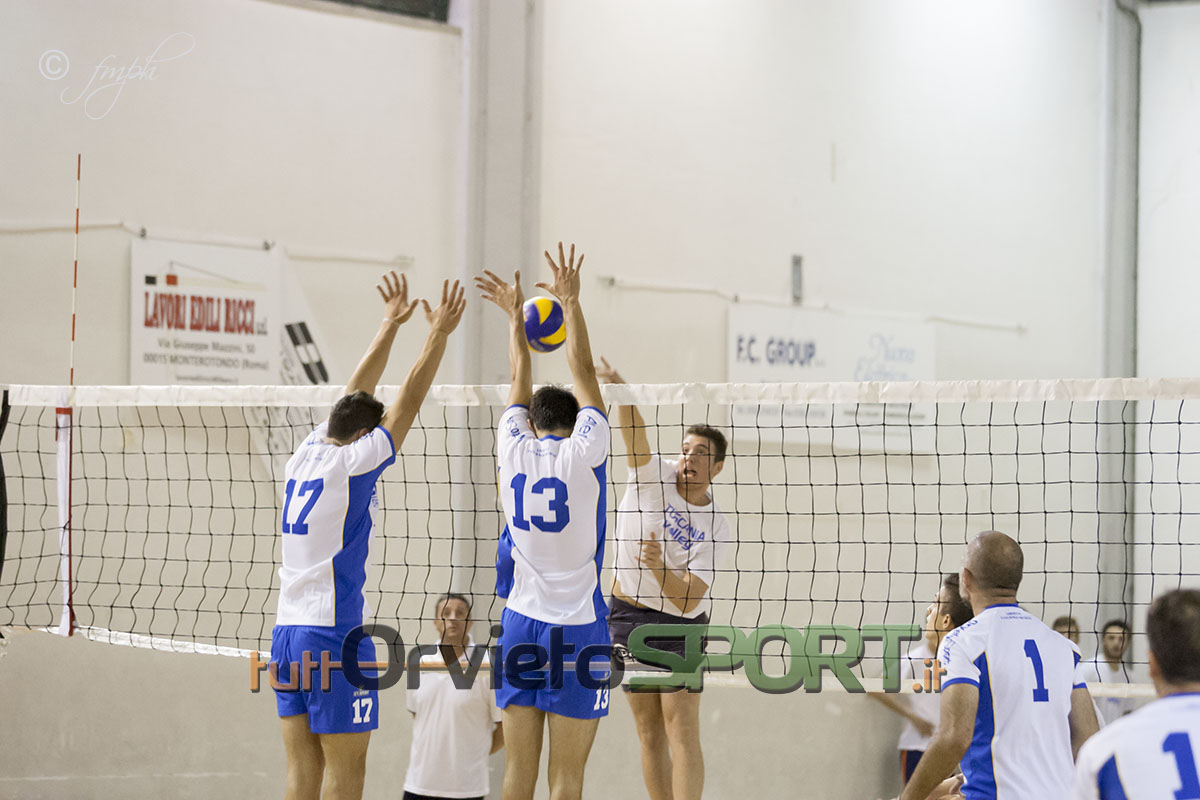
pixel 629 419
pixel 579 348
pixel 511 300
pixel 397 310
pixel 442 322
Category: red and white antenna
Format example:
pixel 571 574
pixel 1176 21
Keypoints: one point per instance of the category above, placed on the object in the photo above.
pixel 75 279
pixel 65 436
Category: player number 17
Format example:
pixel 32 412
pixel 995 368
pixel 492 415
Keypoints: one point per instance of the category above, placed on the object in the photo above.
pixel 311 488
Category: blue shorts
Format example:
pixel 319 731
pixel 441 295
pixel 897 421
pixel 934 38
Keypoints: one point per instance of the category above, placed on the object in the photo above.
pixel 337 707
pixel 537 672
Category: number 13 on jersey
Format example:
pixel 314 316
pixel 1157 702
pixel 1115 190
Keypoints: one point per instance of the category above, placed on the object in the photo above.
pixel 555 492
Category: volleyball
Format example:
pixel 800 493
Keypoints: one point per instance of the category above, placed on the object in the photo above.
pixel 544 326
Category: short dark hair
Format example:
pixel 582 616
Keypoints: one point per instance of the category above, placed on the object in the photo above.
pixel 960 610
pixel 1065 622
pixel 1173 627
pixel 352 413
pixel 446 598
pixel 1116 623
pixel 553 408
pixel 715 438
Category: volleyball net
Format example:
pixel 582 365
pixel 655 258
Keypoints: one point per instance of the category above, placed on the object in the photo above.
pixel 151 515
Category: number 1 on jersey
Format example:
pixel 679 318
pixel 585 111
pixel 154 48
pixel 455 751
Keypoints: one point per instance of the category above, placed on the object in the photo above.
pixel 1180 745
pixel 1040 693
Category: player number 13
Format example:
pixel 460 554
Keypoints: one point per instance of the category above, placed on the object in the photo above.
pixel 560 515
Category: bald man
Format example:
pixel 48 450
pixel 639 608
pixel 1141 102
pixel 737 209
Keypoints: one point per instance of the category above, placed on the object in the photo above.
pixel 1014 712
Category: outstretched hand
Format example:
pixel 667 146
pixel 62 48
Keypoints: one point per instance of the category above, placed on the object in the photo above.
pixel 394 292
pixel 508 297
pixel 565 285
pixel 607 373
pixel 446 316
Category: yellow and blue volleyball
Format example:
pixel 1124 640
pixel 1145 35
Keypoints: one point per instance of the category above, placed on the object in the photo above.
pixel 544 327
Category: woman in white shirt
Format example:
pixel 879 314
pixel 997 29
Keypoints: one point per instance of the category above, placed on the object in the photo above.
pixel 454 730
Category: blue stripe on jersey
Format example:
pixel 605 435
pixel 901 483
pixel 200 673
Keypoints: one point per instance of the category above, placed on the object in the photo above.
pixel 601 473
pixel 1108 781
pixel 597 410
pixel 953 681
pixel 505 566
pixel 977 764
pixel 1081 685
pixel 350 563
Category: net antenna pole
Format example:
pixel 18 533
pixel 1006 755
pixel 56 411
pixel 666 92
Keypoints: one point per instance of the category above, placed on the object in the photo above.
pixel 65 434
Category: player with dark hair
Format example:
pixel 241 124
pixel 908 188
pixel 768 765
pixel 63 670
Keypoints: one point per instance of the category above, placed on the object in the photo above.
pixel 1013 710
pixel 553 458
pixel 328 520
pixel 920 711
pixel 1155 751
pixel 670 536
pixel 1067 626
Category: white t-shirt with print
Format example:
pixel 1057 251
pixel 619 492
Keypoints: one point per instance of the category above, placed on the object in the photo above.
pixel 452 733
pixel 693 537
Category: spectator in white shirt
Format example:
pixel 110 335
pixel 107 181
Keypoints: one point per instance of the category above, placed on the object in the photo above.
pixel 454 730
pixel 1109 667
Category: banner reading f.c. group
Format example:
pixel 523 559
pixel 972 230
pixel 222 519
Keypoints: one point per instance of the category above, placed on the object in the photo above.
pixel 773 344
pixel 203 314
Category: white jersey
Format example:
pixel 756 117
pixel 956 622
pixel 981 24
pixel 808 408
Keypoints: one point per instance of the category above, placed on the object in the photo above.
pixel 452 733
pixel 1025 673
pixel 554 494
pixel 693 537
pixel 926 705
pixel 1110 709
pixel 329 507
pixel 1152 754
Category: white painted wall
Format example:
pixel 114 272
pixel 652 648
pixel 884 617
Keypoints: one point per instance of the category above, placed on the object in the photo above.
pixel 1168 280
pixel 1169 203
pixel 314 130
pixel 924 158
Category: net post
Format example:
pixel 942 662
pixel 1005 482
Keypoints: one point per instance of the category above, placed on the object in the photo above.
pixel 4 411
pixel 64 436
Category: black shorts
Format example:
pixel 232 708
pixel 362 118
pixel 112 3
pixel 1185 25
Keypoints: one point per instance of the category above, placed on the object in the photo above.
pixel 624 617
